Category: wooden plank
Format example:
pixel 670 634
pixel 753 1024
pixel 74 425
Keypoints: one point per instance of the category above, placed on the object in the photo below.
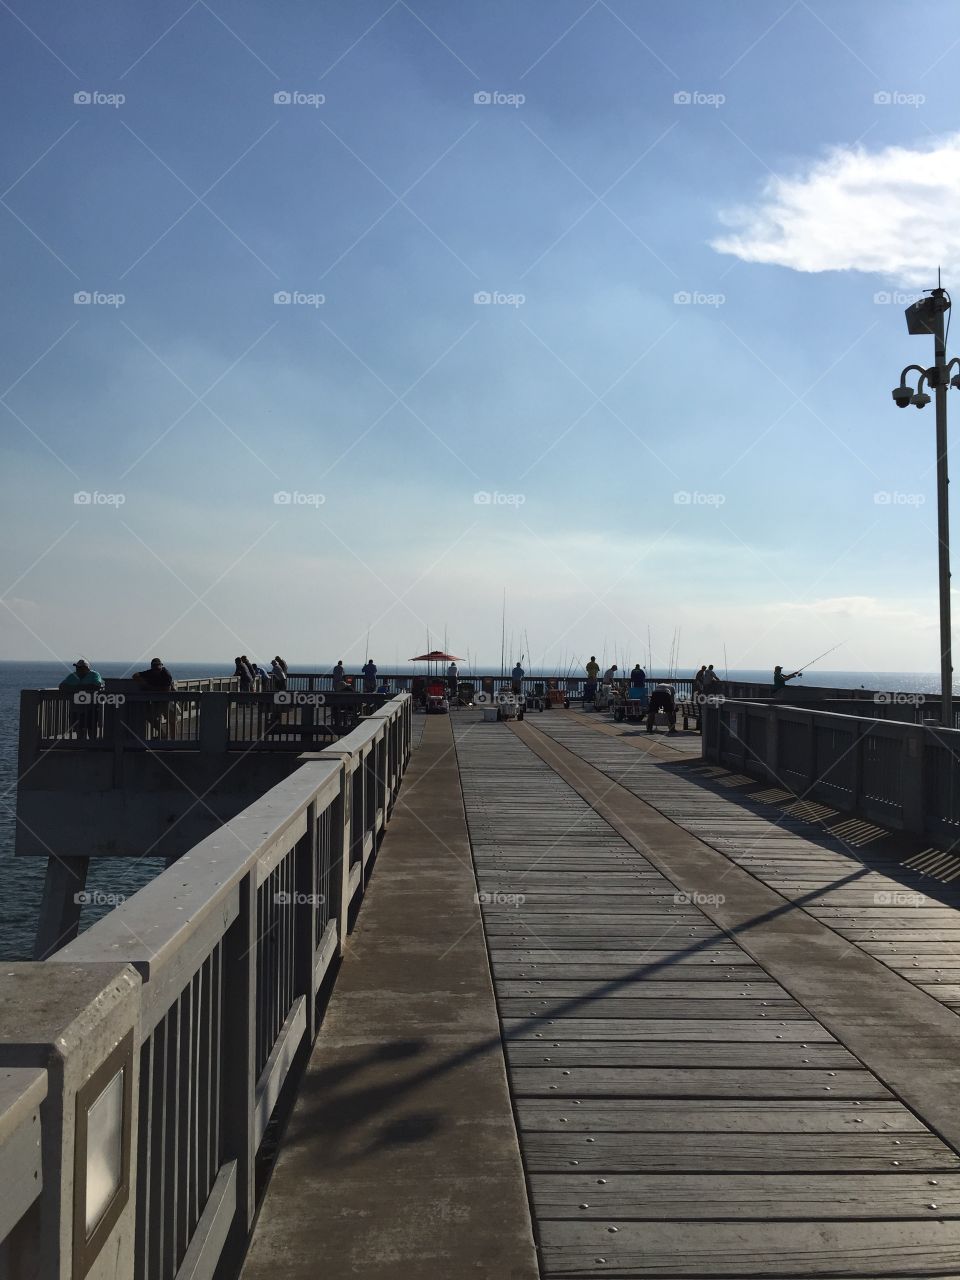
pixel 780 1196
pixel 737 1153
pixel 713 1115
pixel 540 1006
pixel 693 1082
pixel 640 1030
pixel 868 1251
pixel 551 970
pixel 655 987
pixel 678 1053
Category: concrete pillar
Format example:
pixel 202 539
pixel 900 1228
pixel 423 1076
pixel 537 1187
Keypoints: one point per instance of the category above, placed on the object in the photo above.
pixel 61 904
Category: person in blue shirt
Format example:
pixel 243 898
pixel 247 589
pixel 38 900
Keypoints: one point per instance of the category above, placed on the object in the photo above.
pixel 638 677
pixel 85 719
pixel 369 671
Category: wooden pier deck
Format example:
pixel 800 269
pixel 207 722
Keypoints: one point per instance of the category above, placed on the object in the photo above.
pixel 729 1032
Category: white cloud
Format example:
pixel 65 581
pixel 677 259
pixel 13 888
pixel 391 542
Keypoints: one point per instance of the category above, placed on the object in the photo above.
pixel 892 212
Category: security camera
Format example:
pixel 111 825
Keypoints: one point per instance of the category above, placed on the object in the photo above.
pixel 920 399
pixel 903 396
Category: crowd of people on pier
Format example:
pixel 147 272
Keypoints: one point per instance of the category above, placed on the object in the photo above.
pixel 252 677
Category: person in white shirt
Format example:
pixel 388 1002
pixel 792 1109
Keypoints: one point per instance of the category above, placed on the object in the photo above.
pixel 610 674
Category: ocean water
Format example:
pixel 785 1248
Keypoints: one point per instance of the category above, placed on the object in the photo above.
pixel 22 878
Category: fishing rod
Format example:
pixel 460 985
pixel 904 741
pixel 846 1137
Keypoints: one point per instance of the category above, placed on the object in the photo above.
pixel 800 670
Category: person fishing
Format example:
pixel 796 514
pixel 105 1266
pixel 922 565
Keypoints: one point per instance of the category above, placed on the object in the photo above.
pixel 711 682
pixel 780 680
pixel 590 684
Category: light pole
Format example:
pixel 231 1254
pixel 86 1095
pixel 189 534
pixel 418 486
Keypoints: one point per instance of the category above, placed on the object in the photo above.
pixel 926 316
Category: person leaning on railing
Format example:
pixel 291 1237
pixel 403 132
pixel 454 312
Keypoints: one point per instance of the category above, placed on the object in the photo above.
pixel 157 679
pixel 244 673
pixel 85 716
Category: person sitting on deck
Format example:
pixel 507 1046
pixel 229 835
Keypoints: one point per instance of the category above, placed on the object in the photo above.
pixel 663 699
pixel 517 678
pixel 780 680
pixel 85 720
pixel 383 686
pixel 369 670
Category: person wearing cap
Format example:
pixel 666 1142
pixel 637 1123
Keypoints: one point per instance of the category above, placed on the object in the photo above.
pixel 85 720
pixel 156 678
pixel 780 680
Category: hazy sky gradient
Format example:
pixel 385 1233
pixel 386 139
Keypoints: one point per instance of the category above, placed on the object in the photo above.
pixel 813 175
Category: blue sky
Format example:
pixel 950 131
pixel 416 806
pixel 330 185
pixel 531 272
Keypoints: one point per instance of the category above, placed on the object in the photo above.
pixel 689 219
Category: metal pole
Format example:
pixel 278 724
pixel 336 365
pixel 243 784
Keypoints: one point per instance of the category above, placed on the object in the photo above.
pixel 943 515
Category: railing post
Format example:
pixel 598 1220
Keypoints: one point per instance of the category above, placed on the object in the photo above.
pixel 239 1056
pixel 773 745
pixel 911 779
pixel 856 785
pixel 811 754
pixel 214 731
pixel 31 703
pixel 341 835
pixel 305 908
pixel 73 1029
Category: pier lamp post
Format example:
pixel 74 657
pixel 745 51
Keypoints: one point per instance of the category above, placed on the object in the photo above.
pixel 927 316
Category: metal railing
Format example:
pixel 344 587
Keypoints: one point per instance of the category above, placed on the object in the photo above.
pixel 906 776
pixel 210 980
pixel 571 686
pixel 202 721
pixel 910 708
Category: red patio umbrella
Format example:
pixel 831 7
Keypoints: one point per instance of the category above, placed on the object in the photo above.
pixel 436 656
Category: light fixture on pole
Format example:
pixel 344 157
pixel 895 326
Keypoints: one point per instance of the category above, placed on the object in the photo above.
pixel 926 316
